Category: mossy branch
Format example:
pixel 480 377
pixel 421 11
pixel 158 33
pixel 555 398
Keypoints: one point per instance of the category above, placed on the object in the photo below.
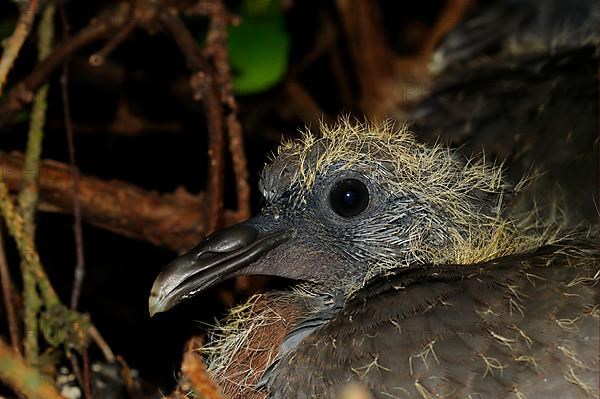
pixel 29 193
pixel 28 197
pixel 26 247
pixel 16 40
pixel 44 313
pixel 33 274
pixel 23 378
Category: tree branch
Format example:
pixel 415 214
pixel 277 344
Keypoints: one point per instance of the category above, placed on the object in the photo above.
pixel 204 85
pixel 16 40
pixel 7 295
pixel 28 196
pixel 217 48
pixel 176 221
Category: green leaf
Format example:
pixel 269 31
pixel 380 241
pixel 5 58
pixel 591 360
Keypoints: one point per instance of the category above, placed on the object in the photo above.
pixel 258 47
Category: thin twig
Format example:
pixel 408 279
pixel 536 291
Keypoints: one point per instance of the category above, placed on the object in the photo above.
pixel 216 164
pixel 84 381
pixel 16 40
pixel 80 265
pixel 87 381
pixel 77 229
pixel 204 86
pixel 75 367
pixel 99 57
pixel 240 165
pixel 7 291
pixel 95 336
pixel 23 378
pixel 21 92
pixel 217 46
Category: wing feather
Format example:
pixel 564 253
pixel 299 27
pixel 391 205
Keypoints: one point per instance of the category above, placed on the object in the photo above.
pixel 523 326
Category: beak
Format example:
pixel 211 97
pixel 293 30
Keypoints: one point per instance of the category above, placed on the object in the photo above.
pixel 215 259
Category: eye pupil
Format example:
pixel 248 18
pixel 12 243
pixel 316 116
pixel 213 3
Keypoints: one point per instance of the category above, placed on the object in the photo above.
pixel 349 197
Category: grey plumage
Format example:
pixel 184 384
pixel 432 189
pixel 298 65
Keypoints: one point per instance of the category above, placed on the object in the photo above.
pixel 524 326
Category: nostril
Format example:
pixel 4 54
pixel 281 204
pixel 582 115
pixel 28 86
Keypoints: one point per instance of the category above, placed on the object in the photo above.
pixel 205 255
pixel 227 240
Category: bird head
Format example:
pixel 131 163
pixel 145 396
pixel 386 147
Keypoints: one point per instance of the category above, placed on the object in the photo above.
pixel 347 205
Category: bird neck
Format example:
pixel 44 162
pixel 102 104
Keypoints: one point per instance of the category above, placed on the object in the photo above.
pixel 256 334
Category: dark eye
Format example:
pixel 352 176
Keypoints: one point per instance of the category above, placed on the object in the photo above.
pixel 349 197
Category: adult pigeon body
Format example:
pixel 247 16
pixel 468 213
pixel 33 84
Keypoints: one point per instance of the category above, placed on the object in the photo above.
pixel 411 279
pixel 519 78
